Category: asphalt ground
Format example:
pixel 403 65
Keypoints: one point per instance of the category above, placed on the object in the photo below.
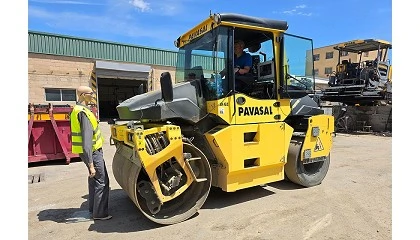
pixel 353 202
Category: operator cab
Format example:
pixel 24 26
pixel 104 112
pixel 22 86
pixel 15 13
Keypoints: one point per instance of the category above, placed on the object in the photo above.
pixel 259 81
pixel 272 75
pixel 205 79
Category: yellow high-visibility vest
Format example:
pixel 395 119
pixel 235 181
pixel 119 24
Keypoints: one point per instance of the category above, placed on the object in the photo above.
pixel 76 134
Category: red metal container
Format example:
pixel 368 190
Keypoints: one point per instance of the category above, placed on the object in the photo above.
pixel 49 134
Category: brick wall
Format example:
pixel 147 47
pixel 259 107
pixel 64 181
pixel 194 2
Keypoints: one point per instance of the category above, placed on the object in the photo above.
pixel 49 71
pixel 155 76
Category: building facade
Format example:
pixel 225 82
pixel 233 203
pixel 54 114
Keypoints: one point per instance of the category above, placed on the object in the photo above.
pixel 58 64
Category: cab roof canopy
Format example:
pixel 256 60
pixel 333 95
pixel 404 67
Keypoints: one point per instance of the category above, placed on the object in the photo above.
pixel 252 38
pixel 237 20
pixel 367 45
pixel 254 21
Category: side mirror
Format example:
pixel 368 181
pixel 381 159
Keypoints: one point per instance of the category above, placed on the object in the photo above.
pixel 141 89
pixel 166 87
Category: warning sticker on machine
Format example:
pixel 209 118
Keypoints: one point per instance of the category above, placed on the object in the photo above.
pixel 318 145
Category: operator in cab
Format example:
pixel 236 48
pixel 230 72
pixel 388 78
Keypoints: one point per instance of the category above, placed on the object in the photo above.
pixel 242 63
pixel 243 60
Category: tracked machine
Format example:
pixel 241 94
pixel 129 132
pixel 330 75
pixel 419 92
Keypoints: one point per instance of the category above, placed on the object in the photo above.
pixel 362 88
pixel 206 129
pixel 365 82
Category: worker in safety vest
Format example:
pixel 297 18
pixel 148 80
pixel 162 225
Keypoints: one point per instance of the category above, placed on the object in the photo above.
pixel 87 140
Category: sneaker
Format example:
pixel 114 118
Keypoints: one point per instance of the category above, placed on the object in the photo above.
pixel 103 218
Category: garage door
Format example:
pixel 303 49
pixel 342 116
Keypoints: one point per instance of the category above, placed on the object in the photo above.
pixel 116 70
pixel 117 82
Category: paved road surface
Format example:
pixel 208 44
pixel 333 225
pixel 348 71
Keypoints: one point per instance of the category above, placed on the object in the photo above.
pixel 353 202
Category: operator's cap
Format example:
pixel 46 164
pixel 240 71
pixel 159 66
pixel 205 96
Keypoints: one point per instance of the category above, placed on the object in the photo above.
pixel 84 89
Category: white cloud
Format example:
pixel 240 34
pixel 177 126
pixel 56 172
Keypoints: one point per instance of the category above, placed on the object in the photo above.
pixel 290 12
pixel 168 7
pixel 169 10
pixel 296 11
pixel 141 4
pixel 161 7
pixel 305 14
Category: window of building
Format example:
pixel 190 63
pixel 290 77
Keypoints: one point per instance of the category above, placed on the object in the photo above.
pixel 366 54
pixel 328 70
pixel 316 57
pixel 344 53
pixel 329 55
pixel 56 94
pixel 316 72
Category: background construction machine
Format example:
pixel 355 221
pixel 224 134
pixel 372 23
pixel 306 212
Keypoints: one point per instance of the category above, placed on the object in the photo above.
pixel 365 82
pixel 231 131
pixel 362 89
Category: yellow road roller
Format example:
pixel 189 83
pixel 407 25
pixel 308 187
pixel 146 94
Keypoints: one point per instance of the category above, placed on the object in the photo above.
pixel 217 123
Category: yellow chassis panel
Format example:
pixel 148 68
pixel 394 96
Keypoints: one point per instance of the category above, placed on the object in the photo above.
pixel 318 139
pixel 251 111
pixel 136 139
pixel 249 163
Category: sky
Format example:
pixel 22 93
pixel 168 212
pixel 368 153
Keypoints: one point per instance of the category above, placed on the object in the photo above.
pixel 157 23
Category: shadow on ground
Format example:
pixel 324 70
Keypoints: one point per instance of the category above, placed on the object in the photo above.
pixel 54 162
pixel 219 199
pixel 126 217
